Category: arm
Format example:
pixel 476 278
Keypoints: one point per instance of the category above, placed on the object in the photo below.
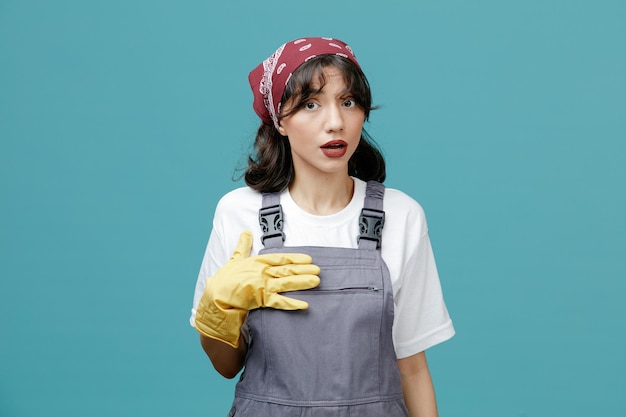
pixel 226 360
pixel 419 394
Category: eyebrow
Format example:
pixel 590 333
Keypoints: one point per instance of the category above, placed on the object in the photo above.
pixel 346 92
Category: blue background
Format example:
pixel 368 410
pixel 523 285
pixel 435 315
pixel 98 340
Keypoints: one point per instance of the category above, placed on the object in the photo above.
pixel 121 123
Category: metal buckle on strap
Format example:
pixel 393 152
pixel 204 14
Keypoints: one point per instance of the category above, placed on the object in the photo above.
pixel 271 221
pixel 371 225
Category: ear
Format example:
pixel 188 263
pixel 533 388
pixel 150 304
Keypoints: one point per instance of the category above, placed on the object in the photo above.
pixel 282 130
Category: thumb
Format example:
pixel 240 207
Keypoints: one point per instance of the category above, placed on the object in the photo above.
pixel 244 246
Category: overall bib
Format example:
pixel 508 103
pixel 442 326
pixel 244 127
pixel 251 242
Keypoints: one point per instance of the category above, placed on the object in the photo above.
pixel 335 359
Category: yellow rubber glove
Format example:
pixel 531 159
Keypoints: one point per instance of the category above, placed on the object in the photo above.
pixel 245 283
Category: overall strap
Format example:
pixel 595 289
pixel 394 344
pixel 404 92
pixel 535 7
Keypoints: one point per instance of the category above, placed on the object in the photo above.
pixel 271 221
pixel 372 217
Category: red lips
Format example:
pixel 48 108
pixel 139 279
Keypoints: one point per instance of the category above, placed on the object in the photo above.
pixel 334 148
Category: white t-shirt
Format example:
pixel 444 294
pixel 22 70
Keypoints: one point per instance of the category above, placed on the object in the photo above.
pixel 421 318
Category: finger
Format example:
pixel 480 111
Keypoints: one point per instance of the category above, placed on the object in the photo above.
pixel 291 283
pixel 285 303
pixel 244 246
pixel 292 269
pixel 284 258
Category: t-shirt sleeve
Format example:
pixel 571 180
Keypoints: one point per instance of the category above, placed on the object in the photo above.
pixel 421 316
pixel 214 256
pixel 235 212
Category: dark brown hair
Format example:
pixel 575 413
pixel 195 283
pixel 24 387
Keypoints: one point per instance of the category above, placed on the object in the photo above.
pixel 270 167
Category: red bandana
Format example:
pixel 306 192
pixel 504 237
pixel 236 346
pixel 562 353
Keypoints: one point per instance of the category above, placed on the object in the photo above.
pixel 269 78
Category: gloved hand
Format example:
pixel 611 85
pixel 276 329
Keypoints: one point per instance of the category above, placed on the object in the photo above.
pixel 245 283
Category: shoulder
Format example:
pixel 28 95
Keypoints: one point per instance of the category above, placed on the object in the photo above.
pixel 236 211
pixel 238 204
pixel 238 198
pixel 404 208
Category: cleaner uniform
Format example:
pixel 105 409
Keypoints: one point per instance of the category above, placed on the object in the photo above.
pixel 339 356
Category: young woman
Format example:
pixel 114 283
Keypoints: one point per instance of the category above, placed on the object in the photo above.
pixel 331 295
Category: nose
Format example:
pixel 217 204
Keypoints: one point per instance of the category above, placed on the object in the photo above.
pixel 334 118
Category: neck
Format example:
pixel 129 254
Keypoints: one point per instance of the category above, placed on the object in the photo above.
pixel 322 195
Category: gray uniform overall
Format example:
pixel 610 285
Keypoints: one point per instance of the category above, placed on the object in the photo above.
pixel 335 359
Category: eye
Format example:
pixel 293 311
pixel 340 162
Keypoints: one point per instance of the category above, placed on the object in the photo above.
pixel 350 103
pixel 311 105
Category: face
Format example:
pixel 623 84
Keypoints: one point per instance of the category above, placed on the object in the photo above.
pixel 324 134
